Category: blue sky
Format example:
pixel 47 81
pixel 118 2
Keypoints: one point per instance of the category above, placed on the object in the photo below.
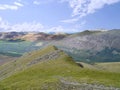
pixel 59 15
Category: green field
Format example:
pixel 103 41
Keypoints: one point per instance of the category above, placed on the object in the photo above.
pixel 17 48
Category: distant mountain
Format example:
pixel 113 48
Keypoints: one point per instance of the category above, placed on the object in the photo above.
pixel 11 35
pixel 32 36
pixel 96 46
pixel 95 40
pixel 42 36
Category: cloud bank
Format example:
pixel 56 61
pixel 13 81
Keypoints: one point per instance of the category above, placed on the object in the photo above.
pixel 31 27
pixel 20 27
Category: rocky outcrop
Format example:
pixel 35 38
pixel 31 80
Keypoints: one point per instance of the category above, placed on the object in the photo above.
pixel 46 57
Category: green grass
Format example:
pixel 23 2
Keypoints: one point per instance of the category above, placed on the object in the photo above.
pixel 109 66
pixel 43 73
pixel 21 62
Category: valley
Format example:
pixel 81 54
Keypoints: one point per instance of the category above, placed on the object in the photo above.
pixel 79 61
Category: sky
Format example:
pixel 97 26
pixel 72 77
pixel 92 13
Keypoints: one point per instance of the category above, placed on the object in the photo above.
pixel 59 15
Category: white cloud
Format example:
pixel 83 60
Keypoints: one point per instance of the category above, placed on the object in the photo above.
pixel 14 6
pixel 70 20
pixel 0 19
pixel 4 25
pixel 36 2
pixel 33 26
pixel 18 4
pixel 5 7
pixel 61 29
pixel 83 8
pixel 26 26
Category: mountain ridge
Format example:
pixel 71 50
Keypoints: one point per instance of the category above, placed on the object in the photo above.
pixel 55 73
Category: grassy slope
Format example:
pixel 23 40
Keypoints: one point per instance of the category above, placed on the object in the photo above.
pixel 105 66
pixel 42 73
pixel 4 59
pixel 21 63
pixel 111 66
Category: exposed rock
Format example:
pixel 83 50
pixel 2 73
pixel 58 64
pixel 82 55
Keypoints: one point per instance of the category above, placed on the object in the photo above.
pixel 64 84
pixel 48 56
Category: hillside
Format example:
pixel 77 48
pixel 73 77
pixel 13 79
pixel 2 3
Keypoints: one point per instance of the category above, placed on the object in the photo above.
pixel 109 66
pixel 92 46
pixel 4 59
pixel 28 60
pixel 52 69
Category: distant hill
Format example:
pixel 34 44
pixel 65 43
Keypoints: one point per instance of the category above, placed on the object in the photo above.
pixel 32 36
pixel 52 69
